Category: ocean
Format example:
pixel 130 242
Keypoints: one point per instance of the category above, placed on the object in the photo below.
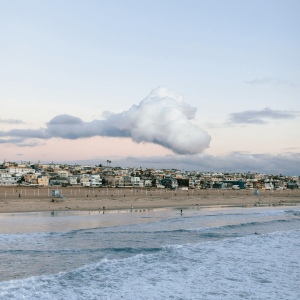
pixel 205 253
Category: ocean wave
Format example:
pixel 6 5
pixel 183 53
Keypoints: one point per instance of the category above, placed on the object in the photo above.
pixel 256 266
pixel 133 229
pixel 293 212
pixel 243 225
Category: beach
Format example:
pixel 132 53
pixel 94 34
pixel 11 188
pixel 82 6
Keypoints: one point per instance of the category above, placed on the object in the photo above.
pixel 154 244
pixel 37 199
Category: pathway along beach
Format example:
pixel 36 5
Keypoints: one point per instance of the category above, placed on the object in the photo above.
pixel 32 199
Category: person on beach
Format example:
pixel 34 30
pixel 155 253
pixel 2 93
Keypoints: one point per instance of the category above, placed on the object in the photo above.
pixel 181 211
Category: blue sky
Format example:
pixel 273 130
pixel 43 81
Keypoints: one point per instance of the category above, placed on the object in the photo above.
pixel 85 57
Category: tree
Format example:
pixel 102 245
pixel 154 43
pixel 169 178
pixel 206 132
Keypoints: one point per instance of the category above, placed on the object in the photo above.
pixel 22 179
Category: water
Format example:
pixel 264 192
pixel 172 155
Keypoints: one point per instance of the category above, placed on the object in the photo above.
pixel 202 254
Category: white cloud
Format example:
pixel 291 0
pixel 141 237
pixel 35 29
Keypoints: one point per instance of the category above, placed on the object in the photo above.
pixel 162 118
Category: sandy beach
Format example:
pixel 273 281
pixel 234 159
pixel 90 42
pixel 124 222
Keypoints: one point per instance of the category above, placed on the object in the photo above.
pixel 37 199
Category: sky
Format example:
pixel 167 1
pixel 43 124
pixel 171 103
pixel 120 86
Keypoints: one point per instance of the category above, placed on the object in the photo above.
pixel 201 85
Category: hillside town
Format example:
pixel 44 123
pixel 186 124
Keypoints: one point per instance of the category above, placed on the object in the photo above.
pixel 37 174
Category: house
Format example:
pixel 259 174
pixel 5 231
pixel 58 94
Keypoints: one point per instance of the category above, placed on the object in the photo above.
pixel 63 173
pixel 8 178
pixel 43 180
pixel 170 183
pixel 147 182
pixel 257 184
pixel 197 184
pixel 85 180
pixel 127 180
pixel 72 180
pixel 231 183
pixel 30 178
pixel 183 184
pixel 20 170
pixel 135 181
pixel 249 185
pixel 95 180
pixel 59 181
pixel 118 181
pixel 268 185
pixel 292 185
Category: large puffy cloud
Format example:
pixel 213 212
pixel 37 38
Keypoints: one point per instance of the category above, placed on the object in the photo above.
pixel 162 118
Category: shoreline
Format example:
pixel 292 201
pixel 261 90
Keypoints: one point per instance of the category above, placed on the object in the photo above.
pixel 160 209
pixel 105 205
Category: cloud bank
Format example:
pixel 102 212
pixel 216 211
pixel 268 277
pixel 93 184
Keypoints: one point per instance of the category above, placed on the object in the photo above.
pixel 260 116
pixel 162 118
pixel 236 162
pixel 286 164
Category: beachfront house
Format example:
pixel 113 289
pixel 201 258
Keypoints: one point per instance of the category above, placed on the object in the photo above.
pixel 183 184
pixel 20 170
pixel 7 178
pixel 95 180
pixel 72 180
pixel 170 183
pixel 119 181
pixel 147 182
pixel 43 180
pixel 62 181
pixel 30 178
pixel 135 181
pixel 231 183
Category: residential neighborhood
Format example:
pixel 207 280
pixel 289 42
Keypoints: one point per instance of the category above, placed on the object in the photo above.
pixel 37 174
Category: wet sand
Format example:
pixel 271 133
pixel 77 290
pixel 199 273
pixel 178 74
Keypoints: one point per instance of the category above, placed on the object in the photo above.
pixel 37 199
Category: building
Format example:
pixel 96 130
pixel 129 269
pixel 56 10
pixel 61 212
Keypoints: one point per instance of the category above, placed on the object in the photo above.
pixel 72 180
pixel 231 183
pixel 30 178
pixel 95 180
pixel 170 183
pixel 43 180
